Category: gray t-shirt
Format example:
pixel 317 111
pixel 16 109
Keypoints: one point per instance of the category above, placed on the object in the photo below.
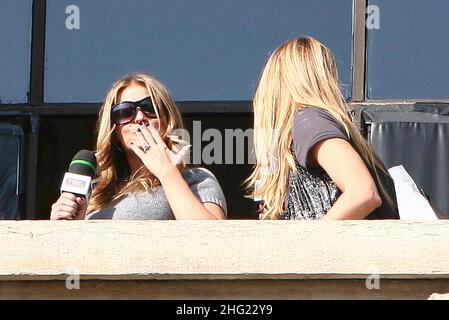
pixel 154 205
pixel 310 126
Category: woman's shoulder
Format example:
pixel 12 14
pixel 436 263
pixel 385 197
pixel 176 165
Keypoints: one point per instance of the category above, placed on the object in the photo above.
pixel 205 186
pixel 311 126
pixel 315 121
pixel 312 114
pixel 197 173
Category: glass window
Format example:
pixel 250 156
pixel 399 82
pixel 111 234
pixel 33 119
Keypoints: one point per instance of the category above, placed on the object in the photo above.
pixel 408 55
pixel 15 35
pixel 202 50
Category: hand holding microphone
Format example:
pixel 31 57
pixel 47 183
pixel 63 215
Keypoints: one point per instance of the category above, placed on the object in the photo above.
pixel 69 207
pixel 76 188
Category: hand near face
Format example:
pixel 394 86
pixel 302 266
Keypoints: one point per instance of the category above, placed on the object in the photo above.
pixel 154 153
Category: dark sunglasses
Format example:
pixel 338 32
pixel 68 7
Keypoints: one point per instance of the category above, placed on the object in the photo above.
pixel 124 112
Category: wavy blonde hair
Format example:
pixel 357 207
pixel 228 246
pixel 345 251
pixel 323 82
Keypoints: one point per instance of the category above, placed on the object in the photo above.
pixel 300 73
pixel 114 174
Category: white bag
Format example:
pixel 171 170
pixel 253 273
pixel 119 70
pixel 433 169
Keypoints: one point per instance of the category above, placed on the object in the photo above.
pixel 412 204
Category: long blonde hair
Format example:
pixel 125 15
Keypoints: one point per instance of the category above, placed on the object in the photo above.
pixel 113 170
pixel 300 73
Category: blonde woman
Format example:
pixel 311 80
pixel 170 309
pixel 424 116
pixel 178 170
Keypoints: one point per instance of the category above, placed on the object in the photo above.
pixel 141 174
pixel 311 161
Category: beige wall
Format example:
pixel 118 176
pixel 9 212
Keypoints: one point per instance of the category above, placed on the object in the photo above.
pixel 224 259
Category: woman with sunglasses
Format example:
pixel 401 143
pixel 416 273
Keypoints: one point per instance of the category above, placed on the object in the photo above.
pixel 141 172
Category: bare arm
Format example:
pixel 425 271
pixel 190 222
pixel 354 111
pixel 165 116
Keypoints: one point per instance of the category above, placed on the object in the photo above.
pixel 346 168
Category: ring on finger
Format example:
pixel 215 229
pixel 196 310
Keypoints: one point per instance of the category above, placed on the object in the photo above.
pixel 146 147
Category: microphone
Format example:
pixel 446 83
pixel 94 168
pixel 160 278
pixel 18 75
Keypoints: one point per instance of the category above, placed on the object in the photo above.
pixel 82 170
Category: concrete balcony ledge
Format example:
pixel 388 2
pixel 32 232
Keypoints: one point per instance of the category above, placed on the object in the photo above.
pixel 224 259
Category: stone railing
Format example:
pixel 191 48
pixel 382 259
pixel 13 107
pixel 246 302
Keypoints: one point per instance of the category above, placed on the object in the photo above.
pixel 223 259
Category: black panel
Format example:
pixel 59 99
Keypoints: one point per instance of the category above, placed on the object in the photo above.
pixel 417 140
pixel 10 146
